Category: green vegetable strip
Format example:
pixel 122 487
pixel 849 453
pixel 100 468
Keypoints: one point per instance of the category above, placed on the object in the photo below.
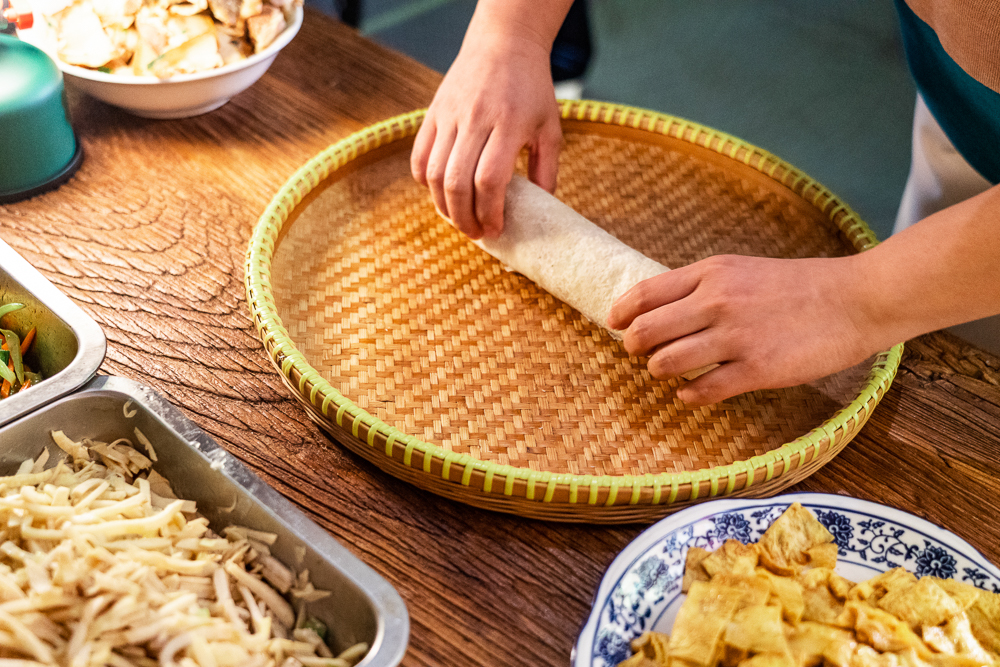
pixel 15 353
pixel 14 346
pixel 10 308
pixel 7 374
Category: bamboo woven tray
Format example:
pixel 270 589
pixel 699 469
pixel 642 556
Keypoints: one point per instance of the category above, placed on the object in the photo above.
pixel 419 352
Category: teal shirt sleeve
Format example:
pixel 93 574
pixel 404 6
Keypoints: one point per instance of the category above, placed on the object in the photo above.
pixel 967 110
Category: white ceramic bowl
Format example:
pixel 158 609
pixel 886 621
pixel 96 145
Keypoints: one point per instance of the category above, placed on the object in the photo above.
pixel 642 588
pixel 179 96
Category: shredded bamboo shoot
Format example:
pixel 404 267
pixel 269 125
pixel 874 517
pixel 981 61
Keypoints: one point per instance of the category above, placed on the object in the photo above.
pixel 101 564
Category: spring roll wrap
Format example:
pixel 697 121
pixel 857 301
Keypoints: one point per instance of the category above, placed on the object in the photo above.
pixel 564 253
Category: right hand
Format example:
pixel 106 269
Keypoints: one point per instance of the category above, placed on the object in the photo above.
pixel 767 323
pixel 496 99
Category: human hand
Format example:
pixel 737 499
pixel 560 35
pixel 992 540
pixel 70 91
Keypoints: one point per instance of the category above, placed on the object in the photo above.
pixel 768 323
pixel 496 99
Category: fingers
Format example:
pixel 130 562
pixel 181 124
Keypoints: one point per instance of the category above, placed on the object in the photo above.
pixel 690 353
pixel 649 295
pixel 494 169
pixel 460 187
pixel 724 382
pixel 707 365
pixel 468 172
pixel 664 318
pixel 493 173
pixel 437 165
pixel 543 160
pixel 421 152
pixel 666 324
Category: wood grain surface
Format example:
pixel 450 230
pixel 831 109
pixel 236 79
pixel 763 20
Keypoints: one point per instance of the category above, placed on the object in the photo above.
pixel 149 238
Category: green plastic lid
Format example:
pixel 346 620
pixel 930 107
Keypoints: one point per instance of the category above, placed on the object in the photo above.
pixel 38 150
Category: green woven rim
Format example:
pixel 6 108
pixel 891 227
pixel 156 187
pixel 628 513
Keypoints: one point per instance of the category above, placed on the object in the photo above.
pixel 721 480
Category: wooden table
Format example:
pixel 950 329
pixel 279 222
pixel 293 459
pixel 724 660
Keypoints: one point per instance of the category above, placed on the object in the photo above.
pixel 149 238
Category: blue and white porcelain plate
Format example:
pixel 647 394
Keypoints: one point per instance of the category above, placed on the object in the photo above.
pixel 642 588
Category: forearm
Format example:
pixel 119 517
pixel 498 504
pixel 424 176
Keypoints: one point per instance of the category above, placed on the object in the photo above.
pixel 943 271
pixel 534 22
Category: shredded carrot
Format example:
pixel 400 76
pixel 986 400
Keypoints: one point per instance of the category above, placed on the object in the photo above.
pixel 28 339
pixel 27 383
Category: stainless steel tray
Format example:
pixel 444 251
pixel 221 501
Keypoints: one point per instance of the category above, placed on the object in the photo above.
pixel 69 346
pixel 363 606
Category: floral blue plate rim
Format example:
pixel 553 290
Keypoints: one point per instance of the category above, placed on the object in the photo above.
pixel 642 584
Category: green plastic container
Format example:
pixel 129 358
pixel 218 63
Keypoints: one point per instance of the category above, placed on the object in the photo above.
pixel 38 150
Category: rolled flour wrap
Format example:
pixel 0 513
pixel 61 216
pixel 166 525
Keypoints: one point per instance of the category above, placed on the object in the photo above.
pixel 564 253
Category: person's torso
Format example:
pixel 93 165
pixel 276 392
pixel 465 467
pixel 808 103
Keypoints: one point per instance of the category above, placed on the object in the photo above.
pixel 953 50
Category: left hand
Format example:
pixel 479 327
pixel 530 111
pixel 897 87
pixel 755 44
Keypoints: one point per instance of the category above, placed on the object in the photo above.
pixel 496 99
pixel 768 323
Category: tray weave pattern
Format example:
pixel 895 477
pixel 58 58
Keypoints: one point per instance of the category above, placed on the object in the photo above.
pixel 420 352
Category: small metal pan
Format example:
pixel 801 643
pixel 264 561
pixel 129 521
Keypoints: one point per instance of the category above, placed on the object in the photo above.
pixel 69 346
